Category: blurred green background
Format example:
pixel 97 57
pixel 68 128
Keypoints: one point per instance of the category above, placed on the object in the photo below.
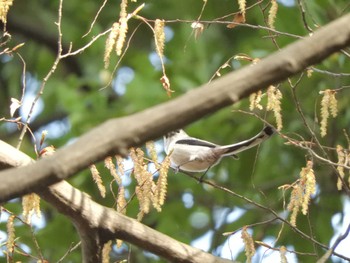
pixel 73 103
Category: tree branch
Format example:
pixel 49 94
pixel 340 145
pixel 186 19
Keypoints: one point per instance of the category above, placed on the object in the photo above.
pixel 97 224
pixel 115 136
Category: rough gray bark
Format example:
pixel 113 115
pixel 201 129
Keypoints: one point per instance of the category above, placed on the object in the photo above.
pixel 115 136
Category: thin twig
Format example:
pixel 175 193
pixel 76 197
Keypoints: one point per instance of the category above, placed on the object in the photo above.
pixel 323 159
pixel 312 232
pixel 235 13
pixel 341 238
pixel 278 249
pixel 217 72
pixel 70 249
pixel 314 138
pixel 38 249
pixel 211 22
pixel 250 225
pixel 330 73
pixel 270 210
pixel 336 243
pixel 303 16
pixel 95 19
pixel 80 50
pixel 35 241
pixel 23 77
pixel 49 74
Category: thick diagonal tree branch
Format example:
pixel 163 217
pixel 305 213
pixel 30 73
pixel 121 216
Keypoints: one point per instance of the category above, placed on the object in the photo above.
pixel 97 224
pixel 116 135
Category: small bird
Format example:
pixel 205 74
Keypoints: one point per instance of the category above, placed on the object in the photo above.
pixel 190 154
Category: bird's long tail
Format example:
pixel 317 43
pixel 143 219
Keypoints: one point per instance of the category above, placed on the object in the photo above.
pixel 232 149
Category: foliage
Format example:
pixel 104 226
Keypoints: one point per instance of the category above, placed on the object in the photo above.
pixel 201 43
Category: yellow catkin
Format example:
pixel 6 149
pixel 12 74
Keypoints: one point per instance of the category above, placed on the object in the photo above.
pixel 123 30
pixel 294 204
pixel 272 14
pixel 333 104
pixel 254 100
pixel 159 36
pixel 4 8
pixel 242 6
pixel 283 252
pixel 107 248
pixel 123 6
pixel 146 192
pixel 144 181
pixel 111 167
pixel 140 215
pixel 324 113
pixel 163 173
pixel 120 165
pixel 119 243
pixel 161 188
pixel 30 205
pixel 144 203
pixel 98 180
pixel 10 234
pixel 329 105
pixel 153 153
pixel 309 179
pixel 123 27
pixel 138 194
pixel 121 201
pixel 341 160
pixel 302 192
pixel 248 244
pixel 274 97
pixel 137 157
pixel 309 73
pixel 110 43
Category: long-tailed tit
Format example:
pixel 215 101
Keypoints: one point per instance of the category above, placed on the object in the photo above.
pixel 190 154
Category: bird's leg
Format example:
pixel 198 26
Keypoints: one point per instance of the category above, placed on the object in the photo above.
pixel 201 178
